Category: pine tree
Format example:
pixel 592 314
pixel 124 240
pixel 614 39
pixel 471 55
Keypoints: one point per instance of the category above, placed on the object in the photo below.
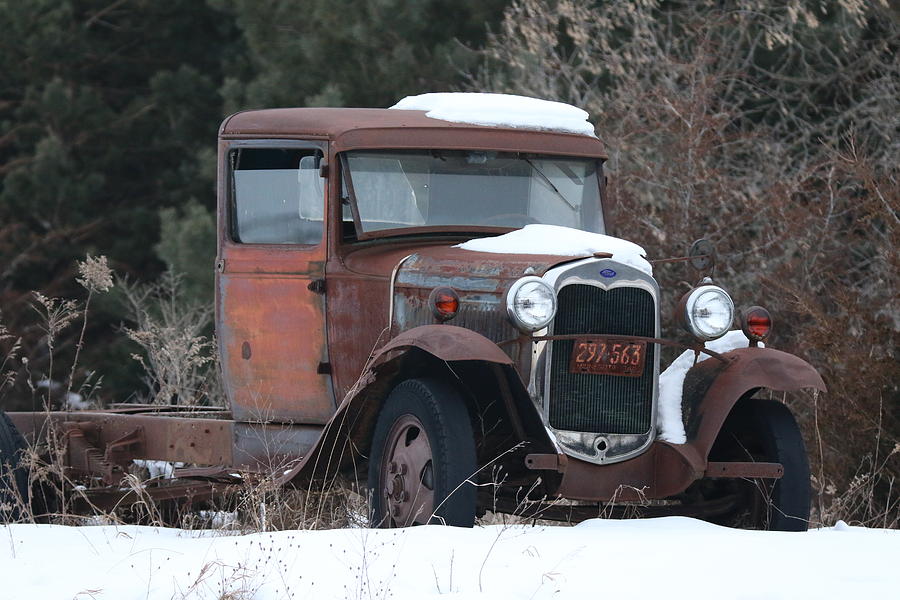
pixel 108 113
pixel 354 52
pixel 108 118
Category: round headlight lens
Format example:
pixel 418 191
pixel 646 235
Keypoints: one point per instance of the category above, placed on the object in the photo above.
pixel 531 303
pixel 709 312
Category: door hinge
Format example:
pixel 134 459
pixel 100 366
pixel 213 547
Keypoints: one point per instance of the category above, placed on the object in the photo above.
pixel 317 286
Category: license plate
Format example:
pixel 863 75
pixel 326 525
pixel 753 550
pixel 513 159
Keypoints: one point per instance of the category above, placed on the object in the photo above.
pixel 608 357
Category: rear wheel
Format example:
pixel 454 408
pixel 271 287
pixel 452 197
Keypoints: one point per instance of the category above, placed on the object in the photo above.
pixel 765 431
pixel 14 496
pixel 423 453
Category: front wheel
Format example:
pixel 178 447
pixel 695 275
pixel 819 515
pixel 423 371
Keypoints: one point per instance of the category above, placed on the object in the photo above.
pixel 766 431
pixel 422 459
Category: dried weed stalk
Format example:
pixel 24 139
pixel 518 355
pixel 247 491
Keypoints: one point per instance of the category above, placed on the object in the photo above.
pixel 178 359
pixel 13 345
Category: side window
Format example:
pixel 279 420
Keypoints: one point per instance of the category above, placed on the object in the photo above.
pixel 278 196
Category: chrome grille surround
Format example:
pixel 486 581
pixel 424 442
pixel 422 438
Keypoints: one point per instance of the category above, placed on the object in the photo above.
pixel 579 444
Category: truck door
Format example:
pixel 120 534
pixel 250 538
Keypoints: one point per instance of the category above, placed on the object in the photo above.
pixel 270 305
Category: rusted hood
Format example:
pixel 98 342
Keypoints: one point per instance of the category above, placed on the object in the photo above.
pixel 443 264
pixel 465 270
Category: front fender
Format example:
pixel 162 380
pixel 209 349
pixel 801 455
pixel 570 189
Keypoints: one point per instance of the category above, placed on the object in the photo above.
pixel 348 432
pixel 448 343
pixel 712 388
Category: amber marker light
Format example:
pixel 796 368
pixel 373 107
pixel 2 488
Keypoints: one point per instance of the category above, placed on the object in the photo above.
pixel 756 323
pixel 444 303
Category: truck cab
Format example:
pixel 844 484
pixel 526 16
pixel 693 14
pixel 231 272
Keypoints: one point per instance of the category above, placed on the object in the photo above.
pixel 318 206
pixel 406 280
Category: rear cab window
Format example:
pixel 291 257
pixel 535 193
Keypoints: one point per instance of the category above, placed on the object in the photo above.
pixel 278 196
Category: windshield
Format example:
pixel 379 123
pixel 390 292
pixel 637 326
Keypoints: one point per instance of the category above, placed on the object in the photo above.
pixel 460 190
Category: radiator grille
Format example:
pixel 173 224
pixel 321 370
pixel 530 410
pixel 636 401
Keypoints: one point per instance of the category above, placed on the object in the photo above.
pixel 601 403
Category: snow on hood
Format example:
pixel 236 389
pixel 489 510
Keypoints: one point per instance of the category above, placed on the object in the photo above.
pixel 562 241
pixel 500 110
pixel 671 384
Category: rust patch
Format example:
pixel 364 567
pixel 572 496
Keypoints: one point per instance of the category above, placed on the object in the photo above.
pixel 380 128
pixel 662 471
pixel 745 470
pixel 449 343
pixel 122 437
pixel 271 331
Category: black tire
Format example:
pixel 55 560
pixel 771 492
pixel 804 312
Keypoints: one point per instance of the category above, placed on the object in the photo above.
pixel 766 431
pixel 436 410
pixel 14 491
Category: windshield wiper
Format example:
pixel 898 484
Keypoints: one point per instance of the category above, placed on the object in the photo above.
pixel 550 183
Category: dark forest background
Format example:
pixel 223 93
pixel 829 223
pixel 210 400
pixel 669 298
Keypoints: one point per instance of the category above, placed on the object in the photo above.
pixel 108 120
pixel 770 128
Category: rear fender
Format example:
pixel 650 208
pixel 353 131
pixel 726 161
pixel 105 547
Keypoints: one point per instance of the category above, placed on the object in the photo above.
pixel 459 351
pixel 712 388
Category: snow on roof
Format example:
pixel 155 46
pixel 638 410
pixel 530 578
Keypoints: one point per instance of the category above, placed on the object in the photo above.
pixel 502 110
pixel 671 384
pixel 561 241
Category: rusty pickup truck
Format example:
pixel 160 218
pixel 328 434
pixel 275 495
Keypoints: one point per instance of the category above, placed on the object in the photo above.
pixel 355 335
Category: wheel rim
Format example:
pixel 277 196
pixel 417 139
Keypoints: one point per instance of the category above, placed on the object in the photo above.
pixel 407 474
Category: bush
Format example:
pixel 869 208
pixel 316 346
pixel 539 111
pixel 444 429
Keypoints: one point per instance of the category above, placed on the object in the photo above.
pixel 769 128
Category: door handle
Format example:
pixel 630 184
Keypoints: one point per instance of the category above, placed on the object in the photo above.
pixel 316 286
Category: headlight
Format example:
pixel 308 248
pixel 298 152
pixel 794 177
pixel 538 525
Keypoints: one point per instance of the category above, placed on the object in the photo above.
pixel 531 303
pixel 708 312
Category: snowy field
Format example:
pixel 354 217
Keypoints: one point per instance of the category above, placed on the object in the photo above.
pixel 653 558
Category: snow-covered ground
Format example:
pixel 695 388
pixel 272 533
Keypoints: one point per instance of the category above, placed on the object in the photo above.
pixel 653 558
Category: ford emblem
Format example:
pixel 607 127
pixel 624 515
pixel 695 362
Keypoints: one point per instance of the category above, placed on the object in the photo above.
pixel 608 273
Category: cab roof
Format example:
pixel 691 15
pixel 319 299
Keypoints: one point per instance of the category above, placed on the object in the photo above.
pixel 380 128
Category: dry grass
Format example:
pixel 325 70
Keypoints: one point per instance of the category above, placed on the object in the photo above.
pixel 180 366
pixel 871 497
pixel 180 363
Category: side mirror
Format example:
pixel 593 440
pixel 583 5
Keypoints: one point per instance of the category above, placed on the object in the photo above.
pixel 702 255
pixel 312 192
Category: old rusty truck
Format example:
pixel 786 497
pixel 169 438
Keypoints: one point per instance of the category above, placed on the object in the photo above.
pixel 431 302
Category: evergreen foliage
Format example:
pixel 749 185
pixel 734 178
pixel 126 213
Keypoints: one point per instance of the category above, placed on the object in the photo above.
pixel 108 113
pixel 188 246
pixel 105 111
pixel 353 52
pixel 108 118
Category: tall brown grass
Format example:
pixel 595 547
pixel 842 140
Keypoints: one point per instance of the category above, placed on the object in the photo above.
pixel 769 128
